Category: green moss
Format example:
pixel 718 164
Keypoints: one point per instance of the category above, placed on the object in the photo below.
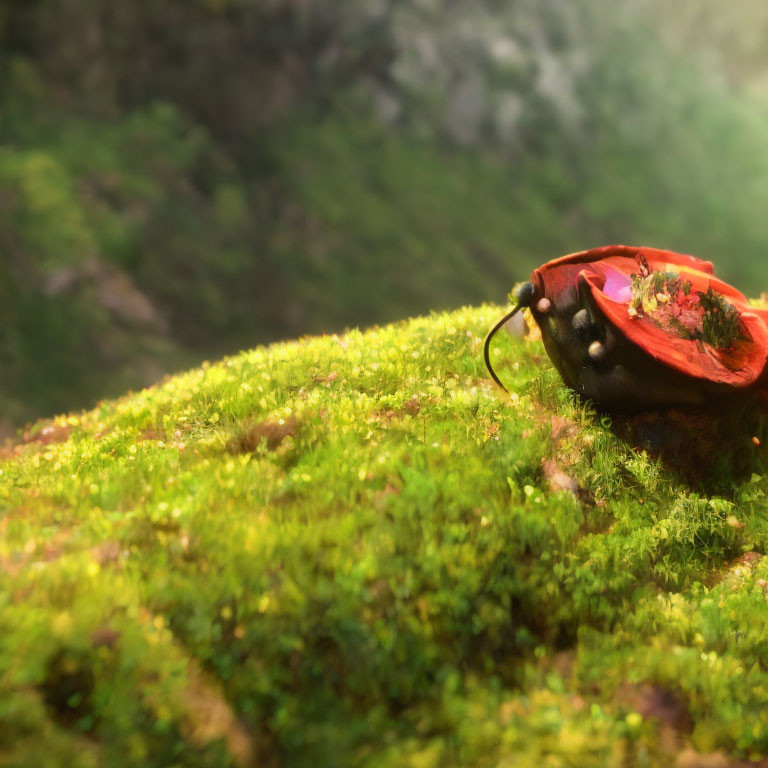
pixel 350 551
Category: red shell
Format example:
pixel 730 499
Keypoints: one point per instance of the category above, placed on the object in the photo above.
pixel 742 365
pixel 695 341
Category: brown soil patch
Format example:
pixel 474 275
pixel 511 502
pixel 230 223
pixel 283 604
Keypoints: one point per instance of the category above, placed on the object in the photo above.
pixel 271 432
pixel 211 718
pixel 48 435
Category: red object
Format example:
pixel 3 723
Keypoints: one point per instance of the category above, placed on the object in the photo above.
pixel 636 328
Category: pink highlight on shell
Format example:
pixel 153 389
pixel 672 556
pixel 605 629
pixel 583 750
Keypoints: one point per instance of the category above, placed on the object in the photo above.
pixel 618 286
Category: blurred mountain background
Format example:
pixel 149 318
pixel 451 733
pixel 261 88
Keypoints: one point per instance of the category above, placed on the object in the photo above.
pixel 182 179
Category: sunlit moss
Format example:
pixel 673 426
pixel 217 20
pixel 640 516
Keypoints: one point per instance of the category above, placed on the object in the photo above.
pixel 382 572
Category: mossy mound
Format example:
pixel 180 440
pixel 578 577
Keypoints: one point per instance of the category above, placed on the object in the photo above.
pixel 351 551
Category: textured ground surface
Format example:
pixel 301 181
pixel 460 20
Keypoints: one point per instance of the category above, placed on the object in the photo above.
pixel 351 551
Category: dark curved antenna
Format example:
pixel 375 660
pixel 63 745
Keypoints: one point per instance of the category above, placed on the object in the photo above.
pixel 487 350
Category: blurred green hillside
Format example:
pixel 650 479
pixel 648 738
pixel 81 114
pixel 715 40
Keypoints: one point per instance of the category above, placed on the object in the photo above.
pixel 183 179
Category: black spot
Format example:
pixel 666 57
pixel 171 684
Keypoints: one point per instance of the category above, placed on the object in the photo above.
pixel 68 687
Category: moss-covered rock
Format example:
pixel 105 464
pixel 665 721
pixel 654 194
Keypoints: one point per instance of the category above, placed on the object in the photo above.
pixel 349 550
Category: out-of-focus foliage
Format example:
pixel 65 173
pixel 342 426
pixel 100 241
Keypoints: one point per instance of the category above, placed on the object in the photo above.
pixel 178 179
pixel 347 551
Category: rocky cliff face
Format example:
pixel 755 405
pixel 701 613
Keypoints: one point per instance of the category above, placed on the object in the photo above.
pixel 482 73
